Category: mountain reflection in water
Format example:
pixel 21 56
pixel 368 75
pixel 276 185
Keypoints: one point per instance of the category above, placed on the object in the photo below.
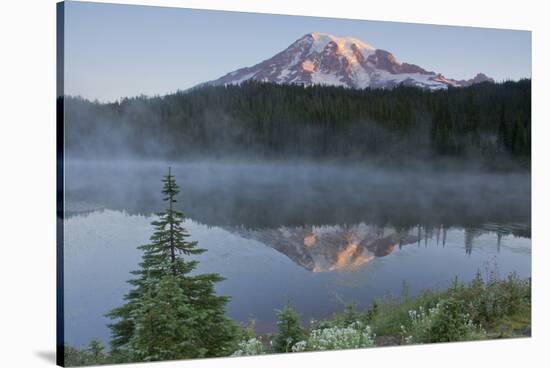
pixel 331 248
pixel 348 247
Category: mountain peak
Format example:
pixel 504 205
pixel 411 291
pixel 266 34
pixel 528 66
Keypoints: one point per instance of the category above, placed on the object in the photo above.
pixel 321 40
pixel 325 59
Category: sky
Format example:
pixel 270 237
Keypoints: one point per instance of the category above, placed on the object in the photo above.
pixel 115 51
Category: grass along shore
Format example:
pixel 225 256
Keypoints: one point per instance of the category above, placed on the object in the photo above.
pixel 481 309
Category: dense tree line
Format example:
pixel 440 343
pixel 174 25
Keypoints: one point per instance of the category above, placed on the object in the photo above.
pixel 487 120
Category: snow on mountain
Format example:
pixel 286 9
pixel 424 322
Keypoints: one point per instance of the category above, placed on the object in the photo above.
pixel 324 59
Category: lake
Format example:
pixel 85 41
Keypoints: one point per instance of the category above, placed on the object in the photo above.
pixel 317 235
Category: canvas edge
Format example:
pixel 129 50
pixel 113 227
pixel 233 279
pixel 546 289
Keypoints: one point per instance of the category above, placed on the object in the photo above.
pixel 60 70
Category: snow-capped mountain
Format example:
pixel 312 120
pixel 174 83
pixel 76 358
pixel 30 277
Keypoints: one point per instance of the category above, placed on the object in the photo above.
pixel 324 59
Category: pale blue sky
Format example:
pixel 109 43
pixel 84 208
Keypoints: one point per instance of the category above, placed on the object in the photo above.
pixel 113 51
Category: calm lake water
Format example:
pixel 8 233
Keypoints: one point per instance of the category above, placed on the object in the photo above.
pixel 315 235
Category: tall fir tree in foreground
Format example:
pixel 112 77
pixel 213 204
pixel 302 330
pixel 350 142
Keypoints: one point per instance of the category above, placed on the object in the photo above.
pixel 171 313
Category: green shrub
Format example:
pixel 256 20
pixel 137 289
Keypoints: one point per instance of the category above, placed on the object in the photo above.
pixel 349 316
pixel 289 330
pixel 491 302
pixel 249 331
pixel 250 347
pixel 445 322
pixel 93 354
pixel 372 312
pixel 387 316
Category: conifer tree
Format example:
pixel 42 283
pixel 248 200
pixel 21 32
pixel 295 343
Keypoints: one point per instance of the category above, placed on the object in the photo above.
pixel 165 324
pixel 96 352
pixel 289 330
pixel 170 313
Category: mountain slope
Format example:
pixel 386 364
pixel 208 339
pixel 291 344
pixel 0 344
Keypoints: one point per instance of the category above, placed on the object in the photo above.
pixel 324 59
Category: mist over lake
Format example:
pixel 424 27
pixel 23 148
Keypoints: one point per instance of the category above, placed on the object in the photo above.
pixel 319 235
